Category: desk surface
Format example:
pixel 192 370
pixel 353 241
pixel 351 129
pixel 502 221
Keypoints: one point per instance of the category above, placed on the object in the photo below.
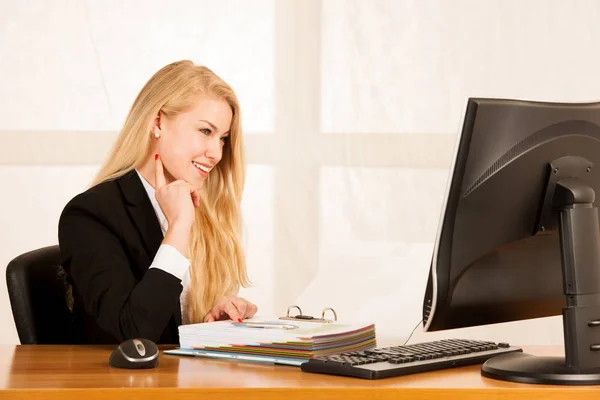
pixel 82 372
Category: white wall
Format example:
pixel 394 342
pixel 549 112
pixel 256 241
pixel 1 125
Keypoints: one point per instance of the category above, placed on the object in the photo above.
pixel 351 109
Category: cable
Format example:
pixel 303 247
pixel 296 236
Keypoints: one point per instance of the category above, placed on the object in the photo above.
pixel 413 331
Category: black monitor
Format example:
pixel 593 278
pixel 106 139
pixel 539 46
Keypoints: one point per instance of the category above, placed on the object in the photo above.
pixel 519 236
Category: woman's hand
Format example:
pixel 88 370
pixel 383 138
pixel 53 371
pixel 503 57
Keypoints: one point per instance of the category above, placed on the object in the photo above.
pixel 231 307
pixel 178 201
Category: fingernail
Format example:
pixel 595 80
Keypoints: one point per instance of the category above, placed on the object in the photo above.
pixel 239 320
pixel 155 157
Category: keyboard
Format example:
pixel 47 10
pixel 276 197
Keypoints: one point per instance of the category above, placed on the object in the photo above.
pixel 404 360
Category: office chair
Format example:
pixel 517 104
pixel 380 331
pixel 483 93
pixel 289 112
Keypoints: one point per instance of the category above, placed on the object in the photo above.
pixel 38 297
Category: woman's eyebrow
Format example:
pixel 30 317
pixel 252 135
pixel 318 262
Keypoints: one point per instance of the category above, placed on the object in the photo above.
pixel 209 123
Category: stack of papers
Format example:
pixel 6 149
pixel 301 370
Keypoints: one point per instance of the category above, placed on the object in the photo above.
pixel 273 340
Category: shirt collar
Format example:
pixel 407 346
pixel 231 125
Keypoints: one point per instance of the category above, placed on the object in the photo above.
pixel 162 220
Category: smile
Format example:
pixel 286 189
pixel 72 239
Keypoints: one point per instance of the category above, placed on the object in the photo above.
pixel 201 167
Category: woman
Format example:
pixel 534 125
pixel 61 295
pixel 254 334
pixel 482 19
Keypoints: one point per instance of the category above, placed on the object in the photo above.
pixel 155 242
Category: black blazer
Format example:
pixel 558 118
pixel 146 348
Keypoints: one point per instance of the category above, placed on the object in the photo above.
pixel 108 236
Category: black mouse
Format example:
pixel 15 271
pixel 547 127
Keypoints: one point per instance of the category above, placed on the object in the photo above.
pixel 135 353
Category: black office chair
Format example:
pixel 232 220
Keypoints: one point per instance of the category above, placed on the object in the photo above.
pixel 38 297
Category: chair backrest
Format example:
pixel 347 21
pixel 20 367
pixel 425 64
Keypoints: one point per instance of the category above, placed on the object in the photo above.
pixel 38 291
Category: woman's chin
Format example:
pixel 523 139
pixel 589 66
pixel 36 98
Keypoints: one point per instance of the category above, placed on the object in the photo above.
pixel 197 182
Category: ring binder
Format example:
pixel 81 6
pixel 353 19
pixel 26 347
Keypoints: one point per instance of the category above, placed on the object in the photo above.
pixel 269 339
pixel 309 318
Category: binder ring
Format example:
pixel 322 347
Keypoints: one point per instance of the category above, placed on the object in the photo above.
pixel 290 307
pixel 309 318
pixel 329 309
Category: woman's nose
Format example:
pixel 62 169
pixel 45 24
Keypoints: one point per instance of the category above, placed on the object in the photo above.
pixel 215 149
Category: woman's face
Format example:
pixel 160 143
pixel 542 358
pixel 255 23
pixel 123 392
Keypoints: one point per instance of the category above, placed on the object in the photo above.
pixel 191 143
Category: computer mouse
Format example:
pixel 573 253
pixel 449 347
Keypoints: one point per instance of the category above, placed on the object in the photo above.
pixel 134 354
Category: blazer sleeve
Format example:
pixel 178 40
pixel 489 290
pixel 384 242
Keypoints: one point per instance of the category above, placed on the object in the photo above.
pixel 96 260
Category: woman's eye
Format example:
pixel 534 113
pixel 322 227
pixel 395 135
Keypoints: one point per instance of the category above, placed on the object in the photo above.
pixel 206 131
pixel 224 139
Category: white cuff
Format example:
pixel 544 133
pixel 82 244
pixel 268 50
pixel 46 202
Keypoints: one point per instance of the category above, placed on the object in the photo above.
pixel 170 260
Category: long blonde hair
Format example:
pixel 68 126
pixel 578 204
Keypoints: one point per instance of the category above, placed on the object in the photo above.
pixel 218 264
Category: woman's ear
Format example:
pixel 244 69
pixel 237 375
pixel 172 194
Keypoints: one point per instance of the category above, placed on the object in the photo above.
pixel 156 126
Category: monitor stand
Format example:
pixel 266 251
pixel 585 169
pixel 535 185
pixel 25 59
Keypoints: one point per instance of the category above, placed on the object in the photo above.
pixel 580 250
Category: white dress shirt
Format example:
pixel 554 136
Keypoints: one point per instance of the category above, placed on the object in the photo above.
pixel 168 258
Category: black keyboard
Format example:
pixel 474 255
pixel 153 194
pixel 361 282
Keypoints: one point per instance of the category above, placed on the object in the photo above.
pixel 403 360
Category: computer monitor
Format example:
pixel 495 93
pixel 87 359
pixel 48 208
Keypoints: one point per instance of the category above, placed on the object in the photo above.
pixel 519 236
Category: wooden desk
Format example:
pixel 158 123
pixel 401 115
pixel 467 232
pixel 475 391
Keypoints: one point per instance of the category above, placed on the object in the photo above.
pixel 82 373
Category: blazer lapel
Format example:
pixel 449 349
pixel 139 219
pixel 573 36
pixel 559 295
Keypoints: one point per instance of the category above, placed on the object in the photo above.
pixel 141 211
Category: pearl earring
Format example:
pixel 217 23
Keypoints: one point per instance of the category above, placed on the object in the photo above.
pixel 157 135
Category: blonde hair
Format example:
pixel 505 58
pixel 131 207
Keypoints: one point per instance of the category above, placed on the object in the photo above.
pixel 218 266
